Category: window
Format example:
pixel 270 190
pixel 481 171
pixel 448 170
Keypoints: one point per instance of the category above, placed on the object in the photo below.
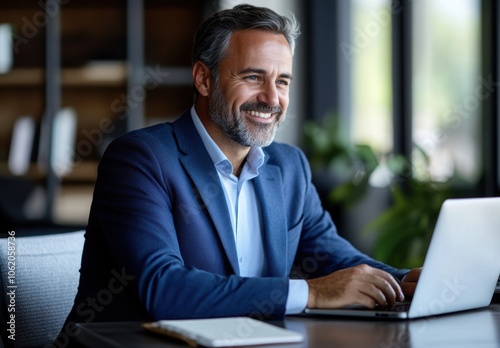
pixel 448 87
pixel 370 59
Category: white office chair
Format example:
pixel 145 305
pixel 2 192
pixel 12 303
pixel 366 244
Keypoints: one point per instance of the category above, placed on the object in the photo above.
pixel 46 276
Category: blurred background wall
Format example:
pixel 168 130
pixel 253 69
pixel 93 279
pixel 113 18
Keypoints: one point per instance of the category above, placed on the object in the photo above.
pixel 376 82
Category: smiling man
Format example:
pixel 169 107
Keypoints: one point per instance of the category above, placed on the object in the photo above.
pixel 207 216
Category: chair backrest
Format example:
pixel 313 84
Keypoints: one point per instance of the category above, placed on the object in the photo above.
pixel 42 292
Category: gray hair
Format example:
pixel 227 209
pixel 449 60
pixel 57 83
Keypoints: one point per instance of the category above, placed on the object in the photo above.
pixel 212 37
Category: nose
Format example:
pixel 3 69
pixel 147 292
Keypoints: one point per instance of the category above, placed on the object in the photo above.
pixel 269 94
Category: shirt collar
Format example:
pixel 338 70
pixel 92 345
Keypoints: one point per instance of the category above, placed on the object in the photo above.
pixel 254 160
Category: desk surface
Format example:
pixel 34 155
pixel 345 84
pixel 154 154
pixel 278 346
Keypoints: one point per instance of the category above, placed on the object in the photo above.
pixel 477 328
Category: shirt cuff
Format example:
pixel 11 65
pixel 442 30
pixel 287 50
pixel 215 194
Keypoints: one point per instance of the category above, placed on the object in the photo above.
pixel 298 294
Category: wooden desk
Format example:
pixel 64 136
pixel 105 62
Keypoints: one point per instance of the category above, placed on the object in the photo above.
pixel 478 328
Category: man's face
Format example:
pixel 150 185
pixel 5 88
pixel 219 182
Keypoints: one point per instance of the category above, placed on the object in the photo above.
pixel 251 97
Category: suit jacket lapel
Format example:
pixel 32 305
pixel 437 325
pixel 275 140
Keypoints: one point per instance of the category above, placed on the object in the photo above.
pixel 199 166
pixel 268 186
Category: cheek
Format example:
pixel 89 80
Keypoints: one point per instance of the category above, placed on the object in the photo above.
pixel 239 97
pixel 234 93
pixel 284 100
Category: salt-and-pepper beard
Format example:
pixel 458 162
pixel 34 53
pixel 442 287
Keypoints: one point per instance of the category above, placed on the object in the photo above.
pixel 232 123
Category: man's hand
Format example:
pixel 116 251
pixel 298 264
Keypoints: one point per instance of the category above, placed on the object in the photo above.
pixel 409 282
pixel 362 285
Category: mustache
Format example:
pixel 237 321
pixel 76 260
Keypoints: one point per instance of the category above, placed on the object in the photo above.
pixel 261 107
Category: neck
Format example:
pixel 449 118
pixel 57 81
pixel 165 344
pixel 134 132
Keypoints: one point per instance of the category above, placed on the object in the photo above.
pixel 235 153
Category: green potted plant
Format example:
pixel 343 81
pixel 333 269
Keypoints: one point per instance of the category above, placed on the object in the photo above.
pixel 403 230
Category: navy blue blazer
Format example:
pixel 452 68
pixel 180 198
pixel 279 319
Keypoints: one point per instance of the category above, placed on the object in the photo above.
pixel 159 242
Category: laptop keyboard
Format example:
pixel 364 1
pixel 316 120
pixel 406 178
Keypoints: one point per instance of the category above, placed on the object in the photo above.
pixel 405 306
pixel 400 307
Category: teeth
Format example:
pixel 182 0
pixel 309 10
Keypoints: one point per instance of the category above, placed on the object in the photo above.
pixel 259 114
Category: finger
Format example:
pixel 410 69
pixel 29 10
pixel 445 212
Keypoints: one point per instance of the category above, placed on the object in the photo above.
pixel 375 295
pixel 379 287
pixel 384 282
pixel 390 286
pixel 400 292
pixel 390 290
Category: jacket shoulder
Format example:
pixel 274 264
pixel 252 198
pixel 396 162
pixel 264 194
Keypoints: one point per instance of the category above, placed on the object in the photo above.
pixel 151 136
pixel 280 153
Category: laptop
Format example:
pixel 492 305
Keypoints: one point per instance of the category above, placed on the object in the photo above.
pixel 461 268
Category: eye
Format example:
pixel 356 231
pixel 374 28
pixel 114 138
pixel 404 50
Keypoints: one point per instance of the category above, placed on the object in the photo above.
pixel 252 78
pixel 283 83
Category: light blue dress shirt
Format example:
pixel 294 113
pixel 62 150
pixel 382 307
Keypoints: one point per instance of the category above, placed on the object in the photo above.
pixel 246 216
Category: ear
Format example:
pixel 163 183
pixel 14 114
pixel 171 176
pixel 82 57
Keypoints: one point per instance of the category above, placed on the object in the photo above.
pixel 201 78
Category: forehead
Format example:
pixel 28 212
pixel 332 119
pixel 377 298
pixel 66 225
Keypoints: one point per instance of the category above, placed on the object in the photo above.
pixel 254 47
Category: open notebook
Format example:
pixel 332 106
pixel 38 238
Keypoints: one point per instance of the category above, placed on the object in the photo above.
pixel 224 332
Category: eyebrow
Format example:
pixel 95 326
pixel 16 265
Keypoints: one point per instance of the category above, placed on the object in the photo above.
pixel 263 72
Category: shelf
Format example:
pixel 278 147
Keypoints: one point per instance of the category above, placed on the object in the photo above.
pixel 83 172
pixel 169 75
pixel 94 74
pixel 124 62
pixel 113 74
pixel 23 77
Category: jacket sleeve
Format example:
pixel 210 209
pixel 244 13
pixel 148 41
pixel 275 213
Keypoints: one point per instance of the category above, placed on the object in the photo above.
pixel 321 249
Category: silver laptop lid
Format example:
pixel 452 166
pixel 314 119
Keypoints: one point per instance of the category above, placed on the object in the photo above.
pixel 462 264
